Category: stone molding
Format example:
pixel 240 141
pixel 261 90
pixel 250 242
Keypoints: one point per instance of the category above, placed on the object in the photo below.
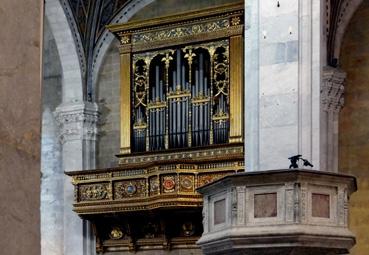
pixel 332 89
pixel 77 121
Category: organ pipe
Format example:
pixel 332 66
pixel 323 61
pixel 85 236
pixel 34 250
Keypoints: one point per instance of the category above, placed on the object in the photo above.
pixel 188 103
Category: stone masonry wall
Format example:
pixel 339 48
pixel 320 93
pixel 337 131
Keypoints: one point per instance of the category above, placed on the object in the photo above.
pixel 108 97
pixel 354 123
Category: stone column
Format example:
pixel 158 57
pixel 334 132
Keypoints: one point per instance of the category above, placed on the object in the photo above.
pixel 78 133
pixel 283 42
pixel 331 103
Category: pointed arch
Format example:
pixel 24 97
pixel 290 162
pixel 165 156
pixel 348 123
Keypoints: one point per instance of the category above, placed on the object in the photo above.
pixel 106 39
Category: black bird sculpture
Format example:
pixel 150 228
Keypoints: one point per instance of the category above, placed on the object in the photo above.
pixel 294 160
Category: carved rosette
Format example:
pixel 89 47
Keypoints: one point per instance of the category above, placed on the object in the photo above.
pixel 332 89
pixel 77 122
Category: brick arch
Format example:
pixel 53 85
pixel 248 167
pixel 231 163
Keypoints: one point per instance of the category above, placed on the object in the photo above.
pixel 69 53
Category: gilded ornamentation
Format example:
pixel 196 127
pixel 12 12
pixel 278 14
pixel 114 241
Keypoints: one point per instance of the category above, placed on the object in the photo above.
pixel 186 183
pixel 203 153
pixel 116 233
pixel 130 188
pixel 125 39
pixel 171 52
pixel 208 178
pixel 169 184
pixel 236 21
pixel 93 192
pixel 220 116
pixel 181 31
pixel 154 186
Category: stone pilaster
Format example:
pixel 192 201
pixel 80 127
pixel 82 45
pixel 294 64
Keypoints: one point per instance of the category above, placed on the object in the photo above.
pixel 332 101
pixel 78 135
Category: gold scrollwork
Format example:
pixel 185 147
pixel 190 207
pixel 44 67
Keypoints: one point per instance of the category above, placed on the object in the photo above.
pixel 220 116
pixel 93 192
pixel 182 31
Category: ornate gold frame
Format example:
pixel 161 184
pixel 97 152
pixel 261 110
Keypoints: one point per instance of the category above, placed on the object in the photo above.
pixel 224 22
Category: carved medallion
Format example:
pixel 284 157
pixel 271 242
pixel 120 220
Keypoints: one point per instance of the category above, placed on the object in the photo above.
pixel 131 189
pixel 169 183
pixel 186 183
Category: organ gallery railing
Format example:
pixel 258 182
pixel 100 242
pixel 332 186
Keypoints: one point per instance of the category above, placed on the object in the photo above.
pixel 181 97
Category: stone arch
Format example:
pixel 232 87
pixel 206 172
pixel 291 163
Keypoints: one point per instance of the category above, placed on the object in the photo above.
pixel 60 221
pixel 347 11
pixel 106 39
pixel 72 68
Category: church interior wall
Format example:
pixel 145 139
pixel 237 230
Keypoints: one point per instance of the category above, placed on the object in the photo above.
pixel 108 98
pixel 354 122
pixel 278 100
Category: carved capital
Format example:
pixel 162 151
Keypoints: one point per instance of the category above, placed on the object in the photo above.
pixel 332 89
pixel 77 121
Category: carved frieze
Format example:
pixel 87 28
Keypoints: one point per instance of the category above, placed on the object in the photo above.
pixel 167 185
pixel 93 192
pixel 181 31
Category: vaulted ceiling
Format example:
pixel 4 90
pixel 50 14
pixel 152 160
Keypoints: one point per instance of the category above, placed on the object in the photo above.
pixel 91 17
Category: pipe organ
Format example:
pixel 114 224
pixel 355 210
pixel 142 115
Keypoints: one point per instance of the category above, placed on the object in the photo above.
pixel 181 97
pixel 181 128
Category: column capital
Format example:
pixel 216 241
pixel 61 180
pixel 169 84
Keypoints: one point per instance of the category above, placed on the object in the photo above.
pixel 77 121
pixel 332 89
